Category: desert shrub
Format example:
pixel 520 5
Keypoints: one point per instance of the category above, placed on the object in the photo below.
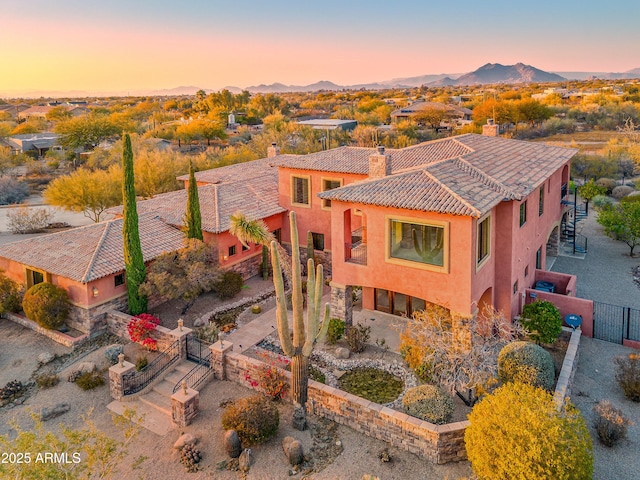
pixel 600 201
pixel 209 333
pixel 607 183
pixel 47 380
pixel 11 293
pixel 272 382
pixel 23 219
pixel 141 362
pixel 229 284
pixel 190 457
pixel 316 374
pixel 610 423
pixel 47 305
pixel 357 337
pixel 630 198
pixel 542 321
pixel 621 191
pixel 89 380
pixel 12 191
pixel 255 419
pixel 429 403
pixel 628 376
pixel 11 389
pixel 335 330
pixel 519 432
pixel 527 363
pixel 111 353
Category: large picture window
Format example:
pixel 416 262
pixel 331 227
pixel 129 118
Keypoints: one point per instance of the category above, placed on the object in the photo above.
pixel 417 242
pixel 300 191
pixel 483 239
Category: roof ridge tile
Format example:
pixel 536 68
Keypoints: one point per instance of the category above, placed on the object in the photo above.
pixel 87 272
pixel 451 192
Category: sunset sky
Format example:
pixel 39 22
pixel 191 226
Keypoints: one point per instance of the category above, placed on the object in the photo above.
pixel 125 46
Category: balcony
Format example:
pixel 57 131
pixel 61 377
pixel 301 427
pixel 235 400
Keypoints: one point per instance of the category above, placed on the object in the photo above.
pixel 356 251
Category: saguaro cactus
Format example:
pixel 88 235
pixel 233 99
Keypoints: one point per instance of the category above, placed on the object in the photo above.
pixel 304 339
pixel 424 248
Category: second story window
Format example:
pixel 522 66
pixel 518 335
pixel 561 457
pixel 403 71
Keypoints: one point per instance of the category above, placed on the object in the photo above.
pixel 523 213
pixel 300 194
pixel 118 280
pixel 329 184
pixel 541 201
pixel 483 239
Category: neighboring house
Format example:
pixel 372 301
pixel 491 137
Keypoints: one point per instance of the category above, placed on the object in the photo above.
pixel 36 143
pixel 41 111
pixel 454 114
pixel 464 222
pixel 88 262
pixel 330 124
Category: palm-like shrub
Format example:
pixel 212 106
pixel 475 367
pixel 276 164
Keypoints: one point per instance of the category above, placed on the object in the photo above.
pixel 47 305
pixel 429 403
pixel 527 363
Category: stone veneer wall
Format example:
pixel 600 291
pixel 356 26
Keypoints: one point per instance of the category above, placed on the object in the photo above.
pixel 92 320
pixel 117 324
pixel 247 268
pixel 439 443
pixel 54 335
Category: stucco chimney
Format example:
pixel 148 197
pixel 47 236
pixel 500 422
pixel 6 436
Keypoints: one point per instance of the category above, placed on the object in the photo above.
pixel 273 151
pixel 379 164
pixel 490 129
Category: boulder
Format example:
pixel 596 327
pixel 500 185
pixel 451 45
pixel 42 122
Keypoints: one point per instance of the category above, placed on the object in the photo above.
pixel 200 322
pixel 244 461
pixel 85 367
pixel 46 357
pixel 232 444
pixel 293 450
pixel 185 439
pixel 343 352
pixel 111 353
pixel 55 411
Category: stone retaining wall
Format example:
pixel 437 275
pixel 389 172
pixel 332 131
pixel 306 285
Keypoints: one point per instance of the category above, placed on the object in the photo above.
pixel 117 324
pixel 54 335
pixel 439 443
pixel 569 367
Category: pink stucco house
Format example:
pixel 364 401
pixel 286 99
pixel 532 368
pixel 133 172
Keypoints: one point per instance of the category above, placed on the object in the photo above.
pixel 463 222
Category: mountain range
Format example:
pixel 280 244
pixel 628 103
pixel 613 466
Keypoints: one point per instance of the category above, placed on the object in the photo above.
pixel 491 73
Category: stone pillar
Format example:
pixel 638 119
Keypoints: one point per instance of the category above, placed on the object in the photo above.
pixel 116 372
pixel 181 333
pixel 218 351
pixel 185 404
pixel 553 244
pixel 342 302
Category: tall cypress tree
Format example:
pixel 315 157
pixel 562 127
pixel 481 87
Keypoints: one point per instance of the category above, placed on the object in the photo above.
pixel 135 270
pixel 193 218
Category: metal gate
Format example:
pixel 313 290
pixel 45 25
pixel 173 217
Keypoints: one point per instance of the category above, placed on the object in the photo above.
pixel 615 323
pixel 198 350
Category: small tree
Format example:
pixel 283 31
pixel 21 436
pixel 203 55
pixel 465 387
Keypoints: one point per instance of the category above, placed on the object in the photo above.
pixel 47 305
pixel 542 321
pixel 520 432
pixel 91 452
pixel 622 222
pixel 184 274
pixel 193 218
pixel 461 357
pixel 590 190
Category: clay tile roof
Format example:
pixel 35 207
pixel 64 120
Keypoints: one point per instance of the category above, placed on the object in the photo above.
pixel 239 171
pixel 257 197
pixel 485 171
pixel 87 253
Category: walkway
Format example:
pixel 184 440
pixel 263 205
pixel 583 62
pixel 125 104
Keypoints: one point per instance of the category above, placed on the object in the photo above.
pixel 604 275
